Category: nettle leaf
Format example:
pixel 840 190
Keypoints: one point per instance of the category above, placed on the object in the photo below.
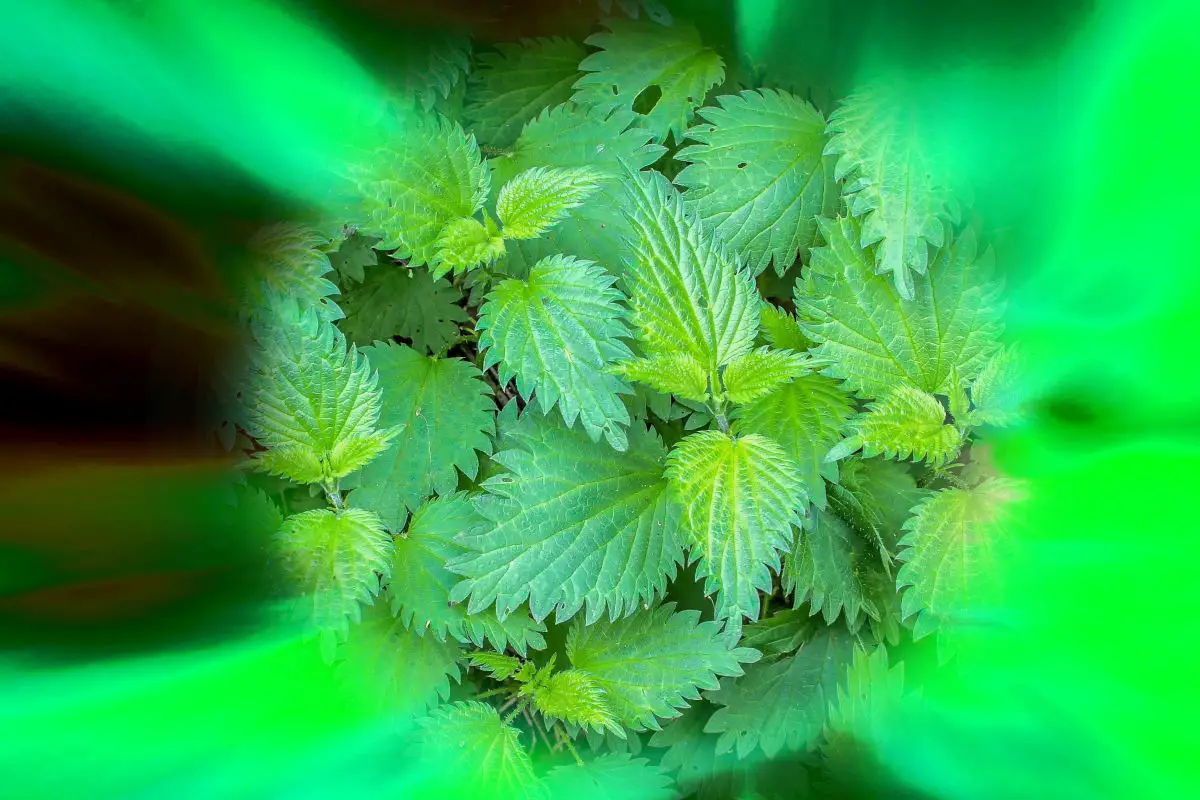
pixel 288 260
pixel 496 665
pixel 536 200
pixel 512 85
pixel 677 374
pixel 876 498
pixel 892 182
pixel 558 332
pixel 429 65
pixel 874 340
pixel 781 330
pixel 781 633
pixel 570 137
pixel 466 750
pixel 947 554
pixel 995 393
pixel 353 256
pixel 575 698
pixel 334 557
pixel 907 423
pixel 652 663
pixel 465 243
pixel 805 417
pixel 420 587
pixel 394 301
pixel 741 496
pixel 407 672
pixel 781 703
pixel 311 402
pixel 428 177
pixel 573 523
pixel 864 715
pixel 830 567
pixel 448 415
pixel 687 292
pixel 757 177
pixel 662 73
pixel 608 776
pixel 757 373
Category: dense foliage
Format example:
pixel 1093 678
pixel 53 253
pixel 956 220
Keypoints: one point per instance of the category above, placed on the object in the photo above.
pixel 639 411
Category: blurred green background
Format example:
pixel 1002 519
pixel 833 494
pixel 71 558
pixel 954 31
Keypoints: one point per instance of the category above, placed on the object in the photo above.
pixel 1075 123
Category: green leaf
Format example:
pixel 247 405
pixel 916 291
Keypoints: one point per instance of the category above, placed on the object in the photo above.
pixel 741 497
pixel 466 750
pixel 558 333
pixel 394 301
pixel 497 666
pixel 287 260
pixel 428 64
pixel 864 716
pixel 687 292
pixel 830 568
pixel 759 372
pixel 575 698
pixel 678 374
pixel 421 582
pixel 572 523
pixel 947 554
pixel 651 663
pixel 447 414
pixel 613 775
pixel 536 200
pixel 512 85
pixel 779 634
pixel 805 417
pixel 907 423
pixel 313 404
pixel 757 177
pixel 781 703
pixel 637 55
pixel 995 393
pixel 430 175
pixel 875 340
pixel 892 182
pixel 352 257
pixel 336 559
pixel 569 137
pixel 463 244
pixel 876 498
pixel 781 330
pixel 407 672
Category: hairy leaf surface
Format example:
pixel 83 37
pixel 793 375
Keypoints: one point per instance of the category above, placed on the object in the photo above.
pixel 830 569
pixel 393 301
pixel 759 372
pixel 907 423
pixel 540 197
pixel 466 750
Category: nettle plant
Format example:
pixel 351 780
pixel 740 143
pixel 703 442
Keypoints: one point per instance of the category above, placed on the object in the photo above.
pixel 638 414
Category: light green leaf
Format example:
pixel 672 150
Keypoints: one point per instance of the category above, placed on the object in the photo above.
pixel 536 200
pixel 947 554
pixel 651 663
pixel 830 568
pixel 805 417
pixel 609 776
pixel 463 244
pixel 311 402
pixel 573 523
pixel 757 177
pixel 408 673
pixel 512 85
pixel 995 393
pixel 876 498
pixel 288 260
pixel 781 330
pixel 759 372
pixel 741 497
pixel 466 750
pixel 394 301
pixel 637 55
pixel 568 137
pixel 864 716
pixel 499 667
pixel 447 414
pixel 334 558
pixel 429 175
pixel 875 340
pixel 781 633
pixel 575 698
pixel 893 183
pixel 678 374
pixel 907 423
pixel 781 703
pixel 420 587
pixel 428 65
pixel 687 292
pixel 558 333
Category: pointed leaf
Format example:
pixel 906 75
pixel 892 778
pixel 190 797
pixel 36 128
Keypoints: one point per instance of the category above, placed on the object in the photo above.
pixel 463 244
pixel 536 200
pixel 575 698
pixel 759 372
pixel 678 374
pixel 907 423
pixel 393 301
pixel 829 568
pixel 610 776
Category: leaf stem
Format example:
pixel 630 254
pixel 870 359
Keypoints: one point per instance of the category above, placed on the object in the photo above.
pixel 520 707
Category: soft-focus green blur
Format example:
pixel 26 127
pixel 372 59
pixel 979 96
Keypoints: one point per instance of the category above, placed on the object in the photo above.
pixel 1083 155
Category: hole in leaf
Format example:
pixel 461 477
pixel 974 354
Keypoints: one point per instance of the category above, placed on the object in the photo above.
pixel 742 165
pixel 616 91
pixel 647 99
